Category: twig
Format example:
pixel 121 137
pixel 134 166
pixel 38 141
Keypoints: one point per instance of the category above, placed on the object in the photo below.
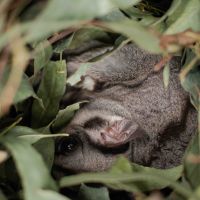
pixel 162 63
pixel 3 60
pixel 186 38
pixel 186 69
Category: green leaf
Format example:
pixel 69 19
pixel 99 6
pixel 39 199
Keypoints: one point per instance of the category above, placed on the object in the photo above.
pixel 43 53
pixel 41 29
pixel 144 178
pixel 82 9
pixel 2 196
pixel 51 195
pixel 76 77
pixel 138 33
pixel 35 138
pixel 189 17
pixel 176 196
pixel 51 90
pixel 89 193
pixel 190 82
pixel 166 74
pixel 31 167
pixel 24 91
pixel 85 35
pixel 191 164
pixel 196 194
pixel 18 131
pixel 173 8
pixel 48 152
pixel 63 44
pixel 64 116
pixel 192 85
pixel 39 139
pixel 30 135
pixel 124 166
pixel 115 15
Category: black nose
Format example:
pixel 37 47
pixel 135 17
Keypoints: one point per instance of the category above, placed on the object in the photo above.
pixel 67 145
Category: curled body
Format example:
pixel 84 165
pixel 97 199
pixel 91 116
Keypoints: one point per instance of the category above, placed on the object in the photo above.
pixel 129 112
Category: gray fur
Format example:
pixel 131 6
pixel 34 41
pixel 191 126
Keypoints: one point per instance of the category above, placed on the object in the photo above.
pixel 133 91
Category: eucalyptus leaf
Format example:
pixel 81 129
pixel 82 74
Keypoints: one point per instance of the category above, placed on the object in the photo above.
pixel 190 82
pixel 2 196
pixel 43 53
pixel 39 139
pixel 82 9
pixel 189 17
pixel 173 8
pixel 192 168
pixel 122 166
pixel 50 91
pixel 38 29
pixel 166 74
pixel 90 193
pixel 48 152
pixel 196 194
pixel 19 131
pixel 63 44
pixel 144 177
pixel 30 135
pixel 35 138
pixel 85 35
pixel 64 116
pixel 24 91
pixel 51 195
pixel 115 15
pixel 28 161
pixel 138 33
pixel 76 77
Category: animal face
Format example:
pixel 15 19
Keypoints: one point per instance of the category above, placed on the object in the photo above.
pixel 77 153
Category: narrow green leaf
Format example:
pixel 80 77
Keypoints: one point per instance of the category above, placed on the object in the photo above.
pixel 63 44
pixel 24 91
pixel 50 91
pixel 192 168
pixel 30 135
pixel 64 116
pixel 122 166
pixel 82 9
pixel 166 74
pixel 188 18
pixel 196 194
pixel 51 195
pixel 35 138
pixel 85 35
pixel 175 4
pixel 48 152
pixel 31 167
pixel 43 53
pixel 138 33
pixel 113 179
pixel 122 177
pixel 190 76
pixel 2 196
pixel 89 193
pixel 76 77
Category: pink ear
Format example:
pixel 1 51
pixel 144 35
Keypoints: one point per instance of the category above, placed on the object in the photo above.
pixel 120 132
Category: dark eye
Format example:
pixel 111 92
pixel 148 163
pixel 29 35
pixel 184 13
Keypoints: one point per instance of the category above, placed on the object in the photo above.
pixel 67 145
